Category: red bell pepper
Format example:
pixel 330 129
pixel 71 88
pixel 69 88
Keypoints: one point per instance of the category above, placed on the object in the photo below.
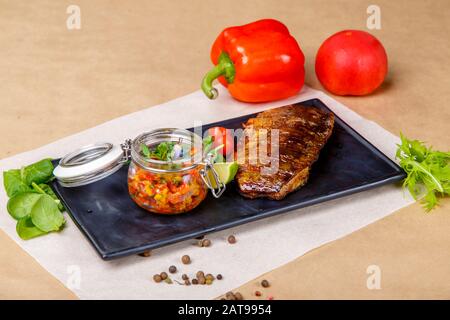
pixel 257 62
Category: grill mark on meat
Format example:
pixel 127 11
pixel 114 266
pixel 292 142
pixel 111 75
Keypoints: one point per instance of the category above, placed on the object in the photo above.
pixel 303 131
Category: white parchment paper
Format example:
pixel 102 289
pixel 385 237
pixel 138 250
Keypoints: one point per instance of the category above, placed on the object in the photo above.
pixel 262 245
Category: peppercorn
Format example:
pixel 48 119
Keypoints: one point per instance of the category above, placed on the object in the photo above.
pixel 172 269
pixel 219 277
pixel 201 280
pixel 187 282
pixel 157 278
pixel 258 293
pixel 194 281
pixel 163 275
pixel 209 276
pixel 265 283
pixel 208 281
pixel 200 274
pixel 232 239
pixel 184 276
pixel 200 243
pixel 147 253
pixel 230 296
pixel 206 242
pixel 186 259
pixel 238 296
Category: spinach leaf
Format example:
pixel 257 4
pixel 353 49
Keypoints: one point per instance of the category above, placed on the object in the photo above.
pixel 14 183
pixel 32 202
pixel 39 172
pixel 19 180
pixel 48 190
pixel 27 230
pixel 21 204
pixel 46 215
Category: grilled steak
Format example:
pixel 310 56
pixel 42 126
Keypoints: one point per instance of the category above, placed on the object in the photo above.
pixel 302 132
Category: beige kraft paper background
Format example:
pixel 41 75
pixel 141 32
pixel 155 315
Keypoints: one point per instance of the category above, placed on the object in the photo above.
pixel 130 55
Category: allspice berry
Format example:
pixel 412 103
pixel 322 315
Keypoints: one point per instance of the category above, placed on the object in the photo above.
pixel 194 281
pixel 201 280
pixel 184 276
pixel 147 253
pixel 157 278
pixel 200 274
pixel 206 242
pixel 187 282
pixel 172 269
pixel 238 296
pixel 265 283
pixel 230 296
pixel 163 275
pixel 186 259
pixel 231 239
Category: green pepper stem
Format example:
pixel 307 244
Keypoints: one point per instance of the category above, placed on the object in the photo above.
pixel 225 67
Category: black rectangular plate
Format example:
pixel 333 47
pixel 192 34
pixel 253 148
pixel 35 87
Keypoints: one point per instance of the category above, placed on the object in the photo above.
pixel 117 227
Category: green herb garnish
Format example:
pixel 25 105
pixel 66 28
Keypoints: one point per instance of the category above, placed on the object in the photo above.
pixel 207 144
pixel 163 151
pixel 167 151
pixel 428 171
pixel 32 202
pixel 145 150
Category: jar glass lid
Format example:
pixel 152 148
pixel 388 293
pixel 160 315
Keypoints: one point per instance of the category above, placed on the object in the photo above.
pixel 89 164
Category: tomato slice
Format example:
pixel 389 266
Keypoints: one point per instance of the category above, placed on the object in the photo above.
pixel 222 136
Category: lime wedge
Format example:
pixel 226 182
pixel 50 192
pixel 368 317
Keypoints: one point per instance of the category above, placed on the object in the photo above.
pixel 226 172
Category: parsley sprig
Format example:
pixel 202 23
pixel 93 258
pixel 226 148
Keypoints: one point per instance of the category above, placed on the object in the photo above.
pixel 167 151
pixel 428 171
pixel 163 151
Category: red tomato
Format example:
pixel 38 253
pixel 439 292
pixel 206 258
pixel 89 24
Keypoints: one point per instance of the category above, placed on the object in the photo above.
pixel 222 136
pixel 351 62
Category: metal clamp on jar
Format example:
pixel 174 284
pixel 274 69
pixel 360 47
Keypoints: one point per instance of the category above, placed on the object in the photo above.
pixel 165 187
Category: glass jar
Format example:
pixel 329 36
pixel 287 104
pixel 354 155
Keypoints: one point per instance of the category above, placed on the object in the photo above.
pixel 167 187
pixel 164 187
